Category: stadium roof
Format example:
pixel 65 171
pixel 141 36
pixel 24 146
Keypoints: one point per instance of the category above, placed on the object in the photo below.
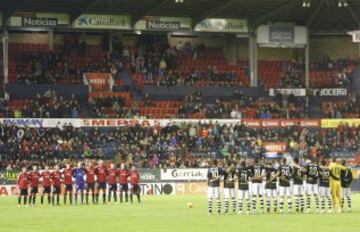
pixel 321 16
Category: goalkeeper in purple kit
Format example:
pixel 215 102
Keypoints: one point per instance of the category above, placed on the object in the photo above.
pixel 79 174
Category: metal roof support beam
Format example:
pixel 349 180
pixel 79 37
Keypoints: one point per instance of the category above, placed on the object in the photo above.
pixel 152 9
pixel 16 6
pixel 84 7
pixel 315 13
pixel 353 14
pixel 274 12
pixel 214 11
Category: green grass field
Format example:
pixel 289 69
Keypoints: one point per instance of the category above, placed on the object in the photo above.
pixel 164 213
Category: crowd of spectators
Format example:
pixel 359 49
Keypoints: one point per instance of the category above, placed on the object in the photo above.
pixel 292 75
pixel 173 145
pixel 48 105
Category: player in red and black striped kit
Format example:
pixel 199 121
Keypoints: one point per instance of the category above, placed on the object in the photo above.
pixel 23 181
pixel 68 181
pixel 112 175
pixel 56 181
pixel 46 185
pixel 101 173
pixel 90 183
pixel 134 183
pixel 123 175
pixel 34 179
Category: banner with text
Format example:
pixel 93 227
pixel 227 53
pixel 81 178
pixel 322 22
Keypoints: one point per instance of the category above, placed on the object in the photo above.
pixel 222 25
pixel 334 123
pixel 282 36
pixel 117 122
pixel 98 81
pixel 159 23
pixel 178 174
pixel 38 20
pixel 295 92
pixel 95 21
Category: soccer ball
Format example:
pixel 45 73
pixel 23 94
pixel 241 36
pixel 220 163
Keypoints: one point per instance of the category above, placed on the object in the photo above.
pixel 190 205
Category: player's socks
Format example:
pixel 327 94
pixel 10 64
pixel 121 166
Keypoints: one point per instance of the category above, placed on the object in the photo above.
pixel 281 204
pixel 121 196
pixel 226 205
pixel 261 202
pixel 248 205
pixel 316 201
pixel 19 200
pixel 25 199
pixel 104 197
pixel 34 200
pixel 234 204
pixel 58 199
pixel 115 197
pixel 289 203
pixel 275 204
pixel 87 198
pixel 109 197
pixel 254 203
pixel 76 198
pixel 49 199
pixel 131 198
pixel 97 198
pixel 82 197
pixel 65 196
pixel 138 197
pixel 322 203
pixel 42 200
pixel 308 203
pixel 329 203
pixel 240 205
pixel 30 199
pixel 268 205
pixel 218 205
pixel 126 197
pixel 302 203
pixel 209 205
pixel 348 199
pixel 342 203
pixel 93 198
pixel 297 208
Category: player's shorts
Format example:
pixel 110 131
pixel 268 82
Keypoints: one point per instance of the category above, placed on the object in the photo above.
pixel 112 187
pixel 80 187
pixel 213 192
pixel 135 188
pixel 298 189
pixel 284 191
pixel 271 193
pixel 346 192
pixel 34 190
pixel 311 189
pixel 257 189
pixel 56 189
pixel 124 187
pixel 68 188
pixel 229 193
pixel 46 189
pixel 23 192
pixel 90 186
pixel 101 185
pixel 324 191
pixel 243 194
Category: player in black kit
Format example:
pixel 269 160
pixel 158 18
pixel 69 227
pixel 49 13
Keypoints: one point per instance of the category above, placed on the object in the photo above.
pixel 285 175
pixel 298 186
pixel 229 188
pixel 214 175
pixel 312 188
pixel 270 186
pixel 243 174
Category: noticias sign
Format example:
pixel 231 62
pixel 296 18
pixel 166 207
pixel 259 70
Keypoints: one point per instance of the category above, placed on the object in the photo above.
pixel 162 25
pixel 39 22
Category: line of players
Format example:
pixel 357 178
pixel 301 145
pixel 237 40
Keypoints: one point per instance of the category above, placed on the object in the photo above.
pixel 278 182
pixel 87 180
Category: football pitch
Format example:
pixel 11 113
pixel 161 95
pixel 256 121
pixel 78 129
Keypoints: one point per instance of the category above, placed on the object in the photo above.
pixel 164 213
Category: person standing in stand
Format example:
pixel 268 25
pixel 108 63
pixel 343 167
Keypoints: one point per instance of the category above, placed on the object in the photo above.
pixel 134 184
